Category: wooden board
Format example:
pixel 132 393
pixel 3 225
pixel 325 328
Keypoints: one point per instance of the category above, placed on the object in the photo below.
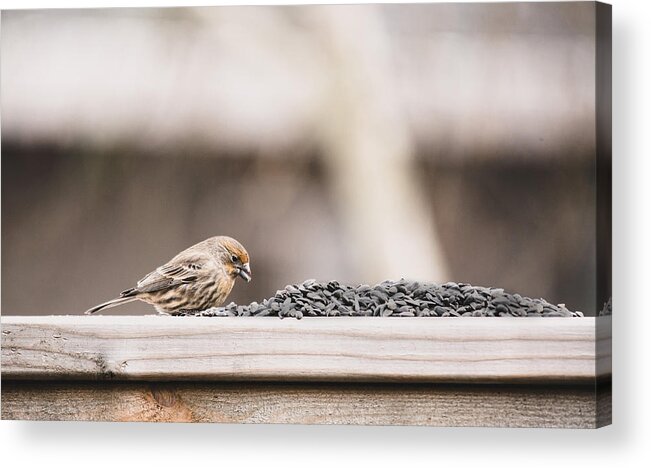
pixel 151 348
pixel 314 403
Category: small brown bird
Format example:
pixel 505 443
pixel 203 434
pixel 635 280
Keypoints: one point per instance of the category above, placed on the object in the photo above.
pixel 198 278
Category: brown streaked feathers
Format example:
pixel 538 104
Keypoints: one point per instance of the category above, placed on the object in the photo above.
pixel 200 277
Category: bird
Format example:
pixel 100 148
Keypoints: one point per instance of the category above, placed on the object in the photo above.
pixel 198 278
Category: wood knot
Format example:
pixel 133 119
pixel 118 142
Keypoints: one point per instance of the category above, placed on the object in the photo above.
pixel 164 397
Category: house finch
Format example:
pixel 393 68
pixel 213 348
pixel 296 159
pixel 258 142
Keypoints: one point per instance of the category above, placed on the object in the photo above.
pixel 198 278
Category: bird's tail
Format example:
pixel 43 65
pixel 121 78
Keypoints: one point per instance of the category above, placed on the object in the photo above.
pixel 112 303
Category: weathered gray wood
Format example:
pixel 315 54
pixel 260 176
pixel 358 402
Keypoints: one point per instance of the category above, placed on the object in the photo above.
pixel 318 349
pixel 315 403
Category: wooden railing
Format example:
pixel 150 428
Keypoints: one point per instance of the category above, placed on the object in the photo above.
pixel 432 371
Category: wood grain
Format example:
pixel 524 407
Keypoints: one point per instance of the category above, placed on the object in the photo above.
pixel 318 349
pixel 314 403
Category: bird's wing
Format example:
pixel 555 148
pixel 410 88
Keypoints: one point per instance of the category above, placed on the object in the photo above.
pixel 176 271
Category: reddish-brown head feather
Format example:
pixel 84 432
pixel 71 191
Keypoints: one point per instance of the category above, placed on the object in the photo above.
pixel 234 248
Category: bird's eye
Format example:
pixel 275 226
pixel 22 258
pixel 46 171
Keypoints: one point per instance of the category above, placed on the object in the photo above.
pixel 234 258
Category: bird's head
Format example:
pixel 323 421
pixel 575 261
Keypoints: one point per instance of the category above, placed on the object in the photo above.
pixel 235 258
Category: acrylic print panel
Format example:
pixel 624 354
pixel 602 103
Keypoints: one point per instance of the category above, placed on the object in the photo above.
pixel 420 192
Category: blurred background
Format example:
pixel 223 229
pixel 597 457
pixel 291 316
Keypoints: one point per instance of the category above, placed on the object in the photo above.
pixel 445 142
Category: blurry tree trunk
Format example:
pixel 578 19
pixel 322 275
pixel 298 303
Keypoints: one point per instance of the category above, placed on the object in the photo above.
pixel 369 153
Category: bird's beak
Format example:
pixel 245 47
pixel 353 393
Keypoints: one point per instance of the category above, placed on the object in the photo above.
pixel 245 272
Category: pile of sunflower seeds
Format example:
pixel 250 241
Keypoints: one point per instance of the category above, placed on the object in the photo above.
pixel 392 299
